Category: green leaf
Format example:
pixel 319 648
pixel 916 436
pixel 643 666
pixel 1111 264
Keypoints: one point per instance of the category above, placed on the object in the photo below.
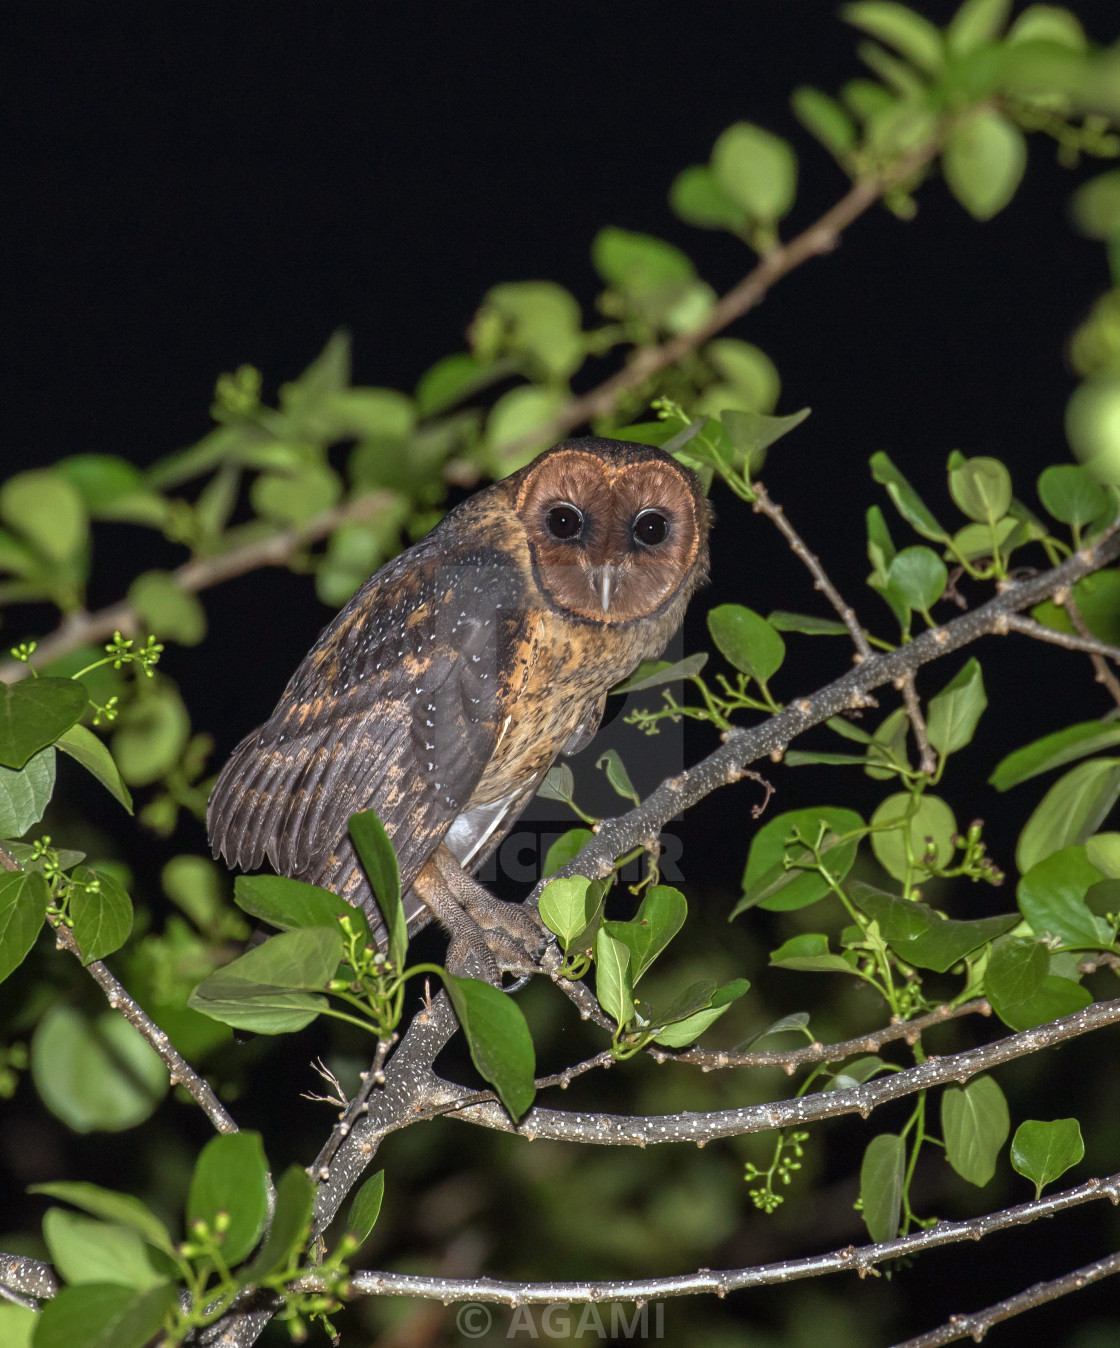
pixel 291 904
pixel 1053 751
pixel 166 609
pixel 907 501
pixel 122 1209
pixel 47 510
pixel 747 641
pixel 230 1181
pixel 1073 809
pixel 23 910
pixel 1103 898
pixel 84 746
pixel 975 1124
pixel 768 883
pixel 524 412
pixel 684 1031
pixel 918 576
pixel 933 822
pixel 757 170
pixel 366 1208
pixel 565 849
pixel 1041 1152
pixel 981 488
pixel 947 942
pixel 653 673
pixel 856 1072
pixel 753 379
pixel 638 264
pixel 1052 898
pixel 800 758
pixel 808 623
pixel 613 985
pixel 1049 23
pixel 1095 207
pixel 151 734
pixel 291 497
pixel 445 383
pixel 825 119
pixel 810 953
pixel 617 775
pixel 1056 997
pixel 658 919
pixel 882 1177
pixel 84 1250
pixel 33 713
pixel 887 750
pixel 899 27
pixel 567 906
pixel 287 1232
pixel 379 861
pixel 976 24
pixel 1103 852
pixel 752 433
pixel 17 1325
pixel 558 784
pixel 102 914
pixel 273 988
pixel 498 1038
pixel 983 162
pixel 95 1073
pixel 104 1315
pixel 1071 494
pixel 697 198
pixel 898 919
pixel 983 540
pixel 955 711
pixel 1015 972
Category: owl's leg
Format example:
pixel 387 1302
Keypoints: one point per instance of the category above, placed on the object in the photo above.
pixel 487 934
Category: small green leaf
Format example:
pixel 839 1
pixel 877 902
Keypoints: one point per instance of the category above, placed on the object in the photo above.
pixel 617 775
pixel 955 711
pixel 542 320
pixel 975 1125
pixel 104 1315
pixel 48 511
pixel 230 1180
pixel 273 988
pixel 981 488
pixel 810 953
pixel 565 849
pixel 1049 23
pixel 638 264
pixel 686 1029
pixel 800 758
pixel 285 497
pixel 661 915
pixel 856 1072
pixel 933 822
pixel 379 861
pixel 808 623
pixel 697 198
pixel 498 1038
pixel 983 162
pixel 1071 494
pixel 151 734
pixel 85 1250
pixel 1015 972
pixel 123 1209
pixel 1042 1152
pixel 747 641
pixel 523 413
pixel 23 910
pixel 613 985
pixel 881 1179
pixel 918 576
pixel 757 170
pixel 558 784
pixel 1103 852
pixel 752 433
pixel 1073 809
pixel 825 119
pixel 769 883
pixel 95 1074
pixel 899 27
pixel 166 609
pixel 753 378
pixel 25 793
pixel 366 1208
pixel 1095 207
pixel 1054 751
pixel 898 919
pixel 907 501
pixel 567 906
pixel 33 713
pixel 1056 997
pixel 947 942
pixel 291 904
pixel 84 747
pixel 1052 898
pixel 976 24
pixel 102 914
pixel 287 1232
pixel 653 673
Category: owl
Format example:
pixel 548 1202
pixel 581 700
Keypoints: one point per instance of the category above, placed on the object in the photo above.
pixel 442 693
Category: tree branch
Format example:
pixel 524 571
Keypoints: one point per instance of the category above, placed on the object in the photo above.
pixel 1030 628
pixel 1104 674
pixel 29 1277
pixel 614 1130
pixel 859 1259
pixel 977 1324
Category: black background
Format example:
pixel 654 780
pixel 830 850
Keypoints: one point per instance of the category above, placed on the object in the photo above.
pixel 188 191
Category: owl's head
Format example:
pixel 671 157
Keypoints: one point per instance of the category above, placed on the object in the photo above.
pixel 616 530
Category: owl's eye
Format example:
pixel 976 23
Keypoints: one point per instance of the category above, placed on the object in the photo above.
pixel 651 527
pixel 564 521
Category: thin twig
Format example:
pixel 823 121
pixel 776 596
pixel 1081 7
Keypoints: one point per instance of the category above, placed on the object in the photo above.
pixel 565 1078
pixel 1104 674
pixel 765 506
pixel 976 1325
pixel 859 1259
pixel 1030 628
pixel 356 1107
pixel 200 573
pixel 927 759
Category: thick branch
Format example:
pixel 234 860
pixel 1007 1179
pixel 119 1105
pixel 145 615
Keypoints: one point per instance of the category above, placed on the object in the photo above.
pixel 976 1325
pixel 27 1277
pixel 615 1130
pixel 859 1259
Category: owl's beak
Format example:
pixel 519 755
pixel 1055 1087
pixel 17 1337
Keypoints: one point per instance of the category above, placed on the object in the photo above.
pixel 606 584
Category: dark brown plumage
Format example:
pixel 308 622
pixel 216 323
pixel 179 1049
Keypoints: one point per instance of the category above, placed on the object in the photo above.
pixel 442 693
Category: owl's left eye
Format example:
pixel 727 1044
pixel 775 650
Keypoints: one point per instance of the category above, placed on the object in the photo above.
pixel 564 521
pixel 651 527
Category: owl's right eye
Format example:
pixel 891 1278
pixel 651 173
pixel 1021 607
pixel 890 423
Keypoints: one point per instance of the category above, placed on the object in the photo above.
pixel 564 522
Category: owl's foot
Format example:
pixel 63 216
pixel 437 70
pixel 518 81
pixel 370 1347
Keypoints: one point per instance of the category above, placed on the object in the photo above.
pixel 488 935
